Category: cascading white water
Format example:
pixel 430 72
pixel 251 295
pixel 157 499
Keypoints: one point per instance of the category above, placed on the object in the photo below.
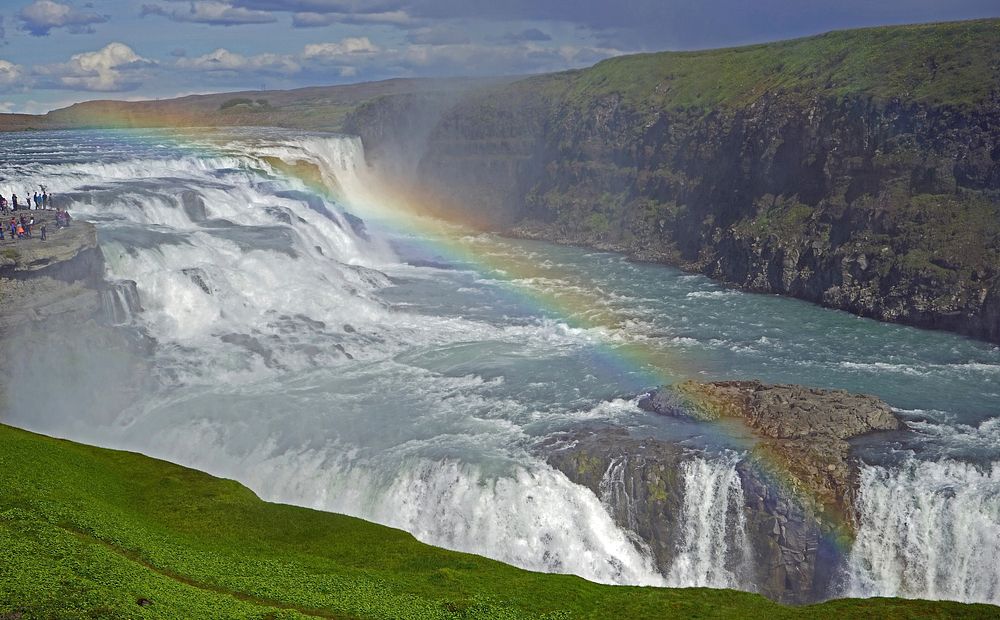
pixel 714 550
pixel 928 530
pixel 615 491
pixel 279 362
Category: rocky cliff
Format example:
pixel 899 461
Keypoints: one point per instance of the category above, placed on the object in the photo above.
pixel 57 308
pixel 859 169
pixel 797 482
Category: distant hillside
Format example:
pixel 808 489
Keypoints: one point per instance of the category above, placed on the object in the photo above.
pixel 321 107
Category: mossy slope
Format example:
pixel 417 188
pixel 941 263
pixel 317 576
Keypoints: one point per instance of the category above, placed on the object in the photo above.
pixel 89 533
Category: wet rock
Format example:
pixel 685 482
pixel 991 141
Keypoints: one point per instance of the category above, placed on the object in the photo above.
pixel 804 432
pixel 199 277
pixel 639 481
pixel 193 206
pixel 797 480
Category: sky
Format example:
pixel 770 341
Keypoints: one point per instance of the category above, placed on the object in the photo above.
pixel 57 52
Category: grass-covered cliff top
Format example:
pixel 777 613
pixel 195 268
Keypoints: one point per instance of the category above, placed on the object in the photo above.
pixel 956 63
pixel 93 533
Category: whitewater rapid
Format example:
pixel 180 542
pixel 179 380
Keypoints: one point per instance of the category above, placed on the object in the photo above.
pixel 299 347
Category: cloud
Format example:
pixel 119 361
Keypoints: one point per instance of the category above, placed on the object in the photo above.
pixel 531 34
pixel 41 16
pixel 115 67
pixel 10 74
pixel 309 19
pixel 477 59
pixel 351 46
pixel 438 35
pixel 223 60
pixel 324 6
pixel 316 62
pixel 210 12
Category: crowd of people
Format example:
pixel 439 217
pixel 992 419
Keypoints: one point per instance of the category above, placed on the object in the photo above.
pixel 22 227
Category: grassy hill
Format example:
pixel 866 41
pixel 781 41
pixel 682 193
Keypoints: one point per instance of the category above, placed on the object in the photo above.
pixel 93 533
pixel 955 63
pixel 319 107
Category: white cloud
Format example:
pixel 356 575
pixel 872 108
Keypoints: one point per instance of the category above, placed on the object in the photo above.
pixel 225 60
pixel 211 12
pixel 115 67
pixel 10 74
pixel 41 16
pixel 310 19
pixel 351 46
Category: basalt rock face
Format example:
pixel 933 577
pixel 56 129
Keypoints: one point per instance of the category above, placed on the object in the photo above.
pixel 803 430
pixel 797 481
pixel 638 481
pixel 61 276
pixel 884 206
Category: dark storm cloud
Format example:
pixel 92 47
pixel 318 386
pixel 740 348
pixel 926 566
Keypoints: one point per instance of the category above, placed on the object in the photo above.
pixel 709 23
pixel 42 16
pixel 655 23
pixel 210 12
pixel 324 6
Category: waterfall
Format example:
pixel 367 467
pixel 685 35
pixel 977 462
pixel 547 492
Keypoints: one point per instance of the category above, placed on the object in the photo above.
pixel 285 369
pixel 120 301
pixel 714 549
pixel 928 530
pixel 615 491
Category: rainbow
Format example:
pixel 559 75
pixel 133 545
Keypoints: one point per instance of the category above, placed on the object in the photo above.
pixel 651 362
pixel 406 211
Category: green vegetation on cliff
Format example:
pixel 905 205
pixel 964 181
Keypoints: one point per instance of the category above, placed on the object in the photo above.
pixel 93 533
pixel 950 63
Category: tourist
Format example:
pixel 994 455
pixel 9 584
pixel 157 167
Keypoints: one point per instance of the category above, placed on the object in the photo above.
pixel 13 202
pixel 41 229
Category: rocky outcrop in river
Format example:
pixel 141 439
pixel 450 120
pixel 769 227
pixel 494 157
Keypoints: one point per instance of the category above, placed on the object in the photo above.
pixel 797 479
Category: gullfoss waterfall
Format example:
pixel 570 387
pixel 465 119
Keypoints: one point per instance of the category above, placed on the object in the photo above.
pixel 405 370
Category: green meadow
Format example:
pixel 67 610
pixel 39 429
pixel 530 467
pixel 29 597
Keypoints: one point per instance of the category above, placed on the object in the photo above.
pixel 87 532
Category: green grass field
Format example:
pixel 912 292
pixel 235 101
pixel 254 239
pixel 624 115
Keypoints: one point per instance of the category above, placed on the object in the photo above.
pixel 90 533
